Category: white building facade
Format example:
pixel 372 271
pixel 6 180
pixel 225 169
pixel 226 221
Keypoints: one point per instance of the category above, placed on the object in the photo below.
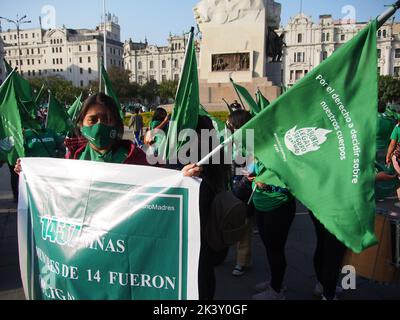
pixel 74 54
pixel 149 62
pixel 309 43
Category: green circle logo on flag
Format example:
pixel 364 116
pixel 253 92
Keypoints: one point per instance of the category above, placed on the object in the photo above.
pixel 305 140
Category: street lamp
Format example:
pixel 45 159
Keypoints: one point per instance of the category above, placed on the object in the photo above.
pixel 17 23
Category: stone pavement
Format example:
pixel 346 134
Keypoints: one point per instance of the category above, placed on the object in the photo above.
pixel 300 278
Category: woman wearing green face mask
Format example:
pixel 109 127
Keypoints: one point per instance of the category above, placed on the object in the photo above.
pixel 99 137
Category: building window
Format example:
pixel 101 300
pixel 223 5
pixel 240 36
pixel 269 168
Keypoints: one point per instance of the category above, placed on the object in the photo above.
pixel 324 55
pixel 176 63
pixel 327 36
pixel 164 64
pixel 384 33
pixel 89 60
pixel 80 59
pixel 29 62
pixel 52 49
pixel 80 48
pixel 379 53
pixel 163 78
pixel 396 71
pixel 38 50
pixel 342 37
pixel 379 34
pixel 81 83
pixel 151 65
pixel 81 70
pixel 88 48
pixel 60 60
pixel 323 37
pixel 379 70
pixel 176 77
pixel 298 74
pixel 33 62
pixel 291 75
pixel 140 65
pixel 32 51
pixel 60 49
pixel 299 38
pixel 90 70
pixel 397 53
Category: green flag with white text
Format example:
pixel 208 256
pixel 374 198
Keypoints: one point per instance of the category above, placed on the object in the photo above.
pixel 11 138
pixel 323 139
pixel 187 101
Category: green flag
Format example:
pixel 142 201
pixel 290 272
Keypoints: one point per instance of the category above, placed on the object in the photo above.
pixel 57 117
pixel 186 109
pixel 262 102
pixel 323 141
pixel 75 108
pixel 109 89
pixel 242 92
pixel 11 138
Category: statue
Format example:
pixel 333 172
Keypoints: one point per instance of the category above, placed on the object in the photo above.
pixel 275 45
pixel 226 11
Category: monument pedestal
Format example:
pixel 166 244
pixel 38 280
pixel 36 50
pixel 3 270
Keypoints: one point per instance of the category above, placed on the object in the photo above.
pixel 234 45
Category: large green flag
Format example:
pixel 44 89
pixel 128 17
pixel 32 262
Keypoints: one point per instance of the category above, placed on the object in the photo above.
pixel 323 141
pixel 57 117
pixel 109 89
pixel 75 108
pixel 262 101
pixel 254 108
pixel 186 109
pixel 11 138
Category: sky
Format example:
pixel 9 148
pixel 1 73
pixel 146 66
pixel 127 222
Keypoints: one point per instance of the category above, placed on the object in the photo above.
pixel 156 19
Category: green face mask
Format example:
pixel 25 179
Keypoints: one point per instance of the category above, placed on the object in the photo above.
pixel 100 135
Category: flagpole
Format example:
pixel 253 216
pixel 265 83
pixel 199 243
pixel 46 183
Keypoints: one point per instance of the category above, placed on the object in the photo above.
pixel 238 94
pixel 388 13
pixel 48 109
pixel 105 35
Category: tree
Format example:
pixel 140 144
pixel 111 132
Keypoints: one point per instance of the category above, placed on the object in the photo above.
pixel 150 91
pixel 168 90
pixel 389 89
pixel 64 90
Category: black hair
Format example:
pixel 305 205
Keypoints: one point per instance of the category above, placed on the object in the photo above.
pixel 160 114
pixel 103 100
pixel 238 119
pixel 381 106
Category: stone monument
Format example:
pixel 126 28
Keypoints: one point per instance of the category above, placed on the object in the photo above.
pixel 234 44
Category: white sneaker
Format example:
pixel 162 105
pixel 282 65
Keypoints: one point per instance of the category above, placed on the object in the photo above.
pixel 319 290
pixel 269 294
pixel 262 286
